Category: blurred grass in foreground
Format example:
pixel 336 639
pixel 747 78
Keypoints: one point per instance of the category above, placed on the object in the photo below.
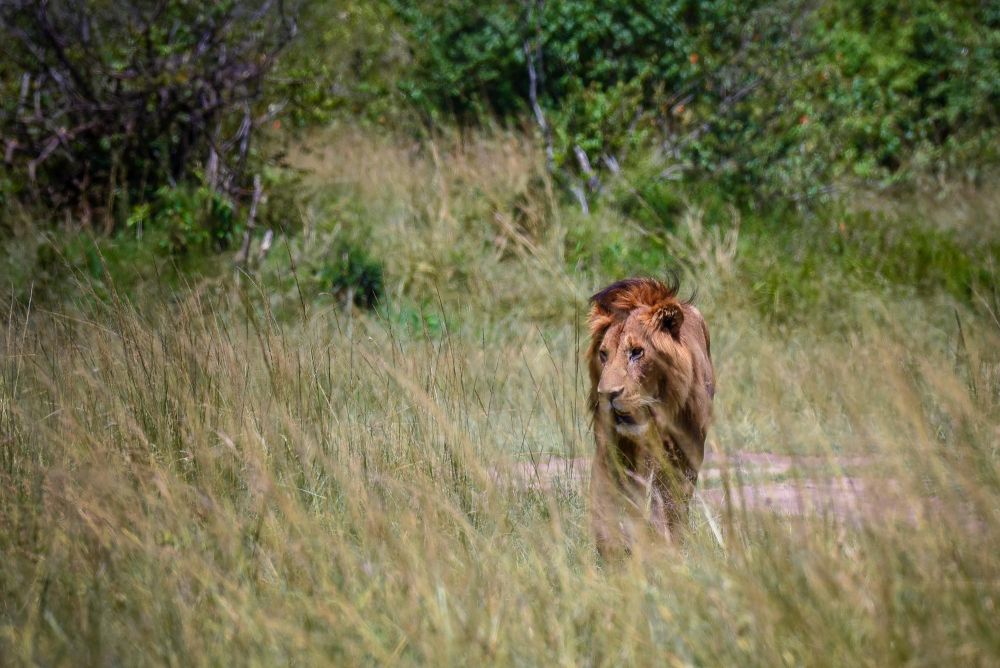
pixel 248 474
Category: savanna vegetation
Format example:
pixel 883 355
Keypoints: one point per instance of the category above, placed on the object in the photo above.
pixel 294 294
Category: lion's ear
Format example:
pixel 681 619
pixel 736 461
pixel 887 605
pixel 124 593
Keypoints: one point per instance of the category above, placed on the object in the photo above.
pixel 669 318
pixel 600 318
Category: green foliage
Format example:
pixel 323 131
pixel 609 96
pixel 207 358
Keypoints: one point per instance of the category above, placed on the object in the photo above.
pixel 417 320
pixel 799 271
pixel 893 84
pixel 608 73
pixel 352 275
pixel 772 97
pixel 80 268
pixel 189 218
pixel 766 104
pixel 614 252
pixel 465 54
pixel 345 62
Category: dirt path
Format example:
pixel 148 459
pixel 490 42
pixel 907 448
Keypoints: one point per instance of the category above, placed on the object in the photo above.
pixel 842 487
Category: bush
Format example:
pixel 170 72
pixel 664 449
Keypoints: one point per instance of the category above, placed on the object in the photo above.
pixel 103 104
pixel 352 275
pixel 189 218
pixel 800 271
pixel 770 97
pixel 345 62
pixel 905 77
pixel 608 73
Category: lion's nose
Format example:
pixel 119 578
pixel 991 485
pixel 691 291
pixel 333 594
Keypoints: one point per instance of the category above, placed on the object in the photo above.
pixel 613 394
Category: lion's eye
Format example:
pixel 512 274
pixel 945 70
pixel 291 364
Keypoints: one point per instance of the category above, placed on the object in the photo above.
pixel 635 354
pixel 603 356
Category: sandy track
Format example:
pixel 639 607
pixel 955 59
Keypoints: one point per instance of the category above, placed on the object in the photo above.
pixel 788 485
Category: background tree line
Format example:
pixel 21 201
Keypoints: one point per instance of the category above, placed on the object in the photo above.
pixel 156 115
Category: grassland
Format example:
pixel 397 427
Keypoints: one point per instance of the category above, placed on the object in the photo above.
pixel 247 471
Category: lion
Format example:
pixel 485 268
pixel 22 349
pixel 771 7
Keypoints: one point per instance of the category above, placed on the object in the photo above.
pixel 652 385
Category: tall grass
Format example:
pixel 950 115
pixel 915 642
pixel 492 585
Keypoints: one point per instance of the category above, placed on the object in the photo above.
pixel 217 479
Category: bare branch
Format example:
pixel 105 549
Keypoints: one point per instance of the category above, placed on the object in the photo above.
pixel 244 253
pixel 537 107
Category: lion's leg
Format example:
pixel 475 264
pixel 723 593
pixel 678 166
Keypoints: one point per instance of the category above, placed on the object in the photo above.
pixel 653 495
pixel 675 489
pixel 606 512
pixel 684 486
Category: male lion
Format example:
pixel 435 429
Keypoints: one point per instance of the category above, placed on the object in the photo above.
pixel 652 384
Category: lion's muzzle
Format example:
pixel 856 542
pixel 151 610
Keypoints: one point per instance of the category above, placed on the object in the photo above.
pixel 622 417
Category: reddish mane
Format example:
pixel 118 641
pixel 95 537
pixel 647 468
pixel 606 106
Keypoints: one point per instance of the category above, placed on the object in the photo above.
pixel 621 297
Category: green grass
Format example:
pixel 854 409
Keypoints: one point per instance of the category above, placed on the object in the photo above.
pixel 242 474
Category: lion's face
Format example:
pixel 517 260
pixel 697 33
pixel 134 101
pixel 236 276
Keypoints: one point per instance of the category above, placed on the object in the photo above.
pixel 641 372
pixel 629 377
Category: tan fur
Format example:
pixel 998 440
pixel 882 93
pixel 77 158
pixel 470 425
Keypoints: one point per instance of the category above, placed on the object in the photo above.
pixel 651 410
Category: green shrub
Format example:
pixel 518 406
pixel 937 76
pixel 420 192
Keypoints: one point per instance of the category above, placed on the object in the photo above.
pixel 188 218
pixel 798 270
pixel 766 98
pixel 609 73
pixel 102 105
pixel 891 82
pixel 79 268
pixel 352 275
pixel 346 61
